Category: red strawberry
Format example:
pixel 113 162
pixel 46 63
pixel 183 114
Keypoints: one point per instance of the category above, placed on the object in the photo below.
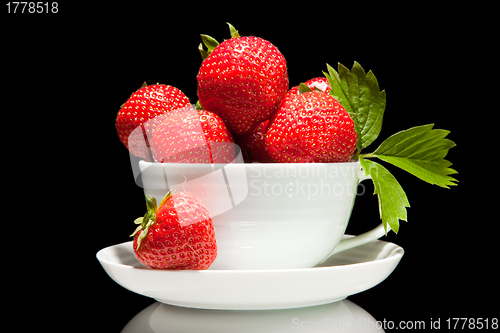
pixel 146 103
pixel 243 80
pixel 192 136
pixel 178 235
pixel 253 144
pixel 311 127
pixel 320 83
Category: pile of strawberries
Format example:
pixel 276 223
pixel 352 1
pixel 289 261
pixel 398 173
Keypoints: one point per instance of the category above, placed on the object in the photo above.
pixel 243 98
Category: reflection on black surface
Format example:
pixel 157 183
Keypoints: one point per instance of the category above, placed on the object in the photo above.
pixel 343 316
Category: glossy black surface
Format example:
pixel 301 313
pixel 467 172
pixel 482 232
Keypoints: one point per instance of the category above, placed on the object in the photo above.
pixel 68 75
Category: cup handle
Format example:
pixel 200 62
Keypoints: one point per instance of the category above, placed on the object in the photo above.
pixel 364 238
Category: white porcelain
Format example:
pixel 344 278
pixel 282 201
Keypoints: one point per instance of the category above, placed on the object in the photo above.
pixel 269 215
pixel 346 273
pixel 342 316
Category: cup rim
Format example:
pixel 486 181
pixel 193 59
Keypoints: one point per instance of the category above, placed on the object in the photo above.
pixel 255 164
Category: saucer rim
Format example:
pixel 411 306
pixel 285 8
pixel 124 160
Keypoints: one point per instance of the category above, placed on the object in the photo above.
pixel 396 251
pixel 257 289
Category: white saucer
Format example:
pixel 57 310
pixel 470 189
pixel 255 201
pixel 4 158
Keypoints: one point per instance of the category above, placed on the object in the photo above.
pixel 344 274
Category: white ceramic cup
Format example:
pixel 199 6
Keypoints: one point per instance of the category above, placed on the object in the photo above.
pixel 269 215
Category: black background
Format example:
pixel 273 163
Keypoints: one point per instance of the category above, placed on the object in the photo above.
pixel 66 74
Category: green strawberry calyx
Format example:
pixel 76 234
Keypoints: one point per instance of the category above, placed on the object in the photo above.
pixel 303 88
pixel 211 43
pixel 146 221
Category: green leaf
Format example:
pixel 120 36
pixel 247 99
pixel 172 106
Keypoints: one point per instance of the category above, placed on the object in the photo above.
pixel 136 231
pixel 210 42
pixel 392 199
pixel 144 232
pixel 232 30
pixel 420 151
pixel 204 54
pixel 165 198
pixel 198 105
pixel 147 220
pixel 358 92
pixel 151 204
pixel 337 92
pixel 303 88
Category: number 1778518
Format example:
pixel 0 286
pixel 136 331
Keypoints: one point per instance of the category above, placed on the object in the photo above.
pixel 22 7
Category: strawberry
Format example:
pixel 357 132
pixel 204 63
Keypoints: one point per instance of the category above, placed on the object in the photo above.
pixel 146 103
pixel 253 144
pixel 243 80
pixel 311 127
pixel 319 84
pixel 177 235
pixel 192 136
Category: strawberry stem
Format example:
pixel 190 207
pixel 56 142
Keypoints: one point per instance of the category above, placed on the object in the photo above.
pixel 151 204
pixel 355 156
